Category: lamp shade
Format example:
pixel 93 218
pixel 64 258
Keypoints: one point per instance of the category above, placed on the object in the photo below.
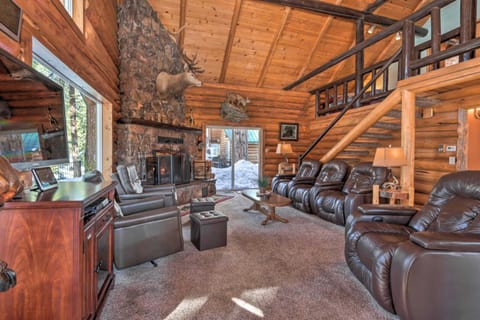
pixel 284 148
pixel 389 157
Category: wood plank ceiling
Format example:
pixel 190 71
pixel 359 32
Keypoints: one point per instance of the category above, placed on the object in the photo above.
pixel 255 43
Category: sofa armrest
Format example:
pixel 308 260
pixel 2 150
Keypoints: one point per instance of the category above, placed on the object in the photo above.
pixel 284 176
pixel 334 185
pixel 134 206
pixel 146 216
pixel 386 209
pixel 361 190
pixel 304 180
pixel 447 241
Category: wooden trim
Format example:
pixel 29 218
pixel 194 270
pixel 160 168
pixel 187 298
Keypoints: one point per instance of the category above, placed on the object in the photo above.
pixel 231 37
pixel 273 47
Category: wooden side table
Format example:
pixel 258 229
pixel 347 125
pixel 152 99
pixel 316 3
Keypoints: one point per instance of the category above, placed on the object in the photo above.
pixel 286 168
pixel 401 195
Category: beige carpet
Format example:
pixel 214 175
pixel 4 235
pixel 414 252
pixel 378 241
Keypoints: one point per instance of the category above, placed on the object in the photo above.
pixel 278 271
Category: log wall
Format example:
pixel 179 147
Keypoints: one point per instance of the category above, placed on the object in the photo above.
pixel 266 110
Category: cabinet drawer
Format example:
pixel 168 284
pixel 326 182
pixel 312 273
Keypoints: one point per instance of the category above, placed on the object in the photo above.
pixel 105 218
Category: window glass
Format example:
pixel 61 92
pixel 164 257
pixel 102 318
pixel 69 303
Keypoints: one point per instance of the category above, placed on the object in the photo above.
pixel 81 111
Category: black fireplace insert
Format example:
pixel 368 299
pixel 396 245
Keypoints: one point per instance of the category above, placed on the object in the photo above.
pixel 169 169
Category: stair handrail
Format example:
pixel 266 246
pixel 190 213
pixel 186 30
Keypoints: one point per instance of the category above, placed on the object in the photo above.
pixel 349 105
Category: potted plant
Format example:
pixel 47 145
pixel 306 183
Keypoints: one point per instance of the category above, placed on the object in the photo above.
pixel 262 184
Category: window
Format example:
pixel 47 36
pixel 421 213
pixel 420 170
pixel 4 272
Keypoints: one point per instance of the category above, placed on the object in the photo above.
pixel 75 9
pixel 82 112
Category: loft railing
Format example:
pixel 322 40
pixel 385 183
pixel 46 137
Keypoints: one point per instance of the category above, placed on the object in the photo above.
pixel 430 55
pixel 350 104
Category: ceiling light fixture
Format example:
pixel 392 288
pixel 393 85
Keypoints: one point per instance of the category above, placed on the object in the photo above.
pixel 371 29
pixel 398 36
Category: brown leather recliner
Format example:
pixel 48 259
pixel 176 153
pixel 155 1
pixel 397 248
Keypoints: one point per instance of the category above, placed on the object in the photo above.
pixel 307 173
pixel 331 176
pixel 422 265
pixel 336 205
pixel 145 229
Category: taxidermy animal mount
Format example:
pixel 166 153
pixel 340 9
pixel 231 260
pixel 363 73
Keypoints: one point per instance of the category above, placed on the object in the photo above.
pixel 172 85
pixel 234 108
pixel 10 183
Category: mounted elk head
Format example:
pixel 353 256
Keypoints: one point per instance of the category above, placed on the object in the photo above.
pixel 172 85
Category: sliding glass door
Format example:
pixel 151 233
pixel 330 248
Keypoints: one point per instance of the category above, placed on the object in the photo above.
pixel 236 155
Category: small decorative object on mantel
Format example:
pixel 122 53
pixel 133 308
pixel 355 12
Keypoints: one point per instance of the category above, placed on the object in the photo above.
pixel 234 108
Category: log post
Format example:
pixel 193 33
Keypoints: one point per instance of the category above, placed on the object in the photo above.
pixel 468 14
pixel 436 33
pixel 408 144
pixel 359 59
pixel 408 48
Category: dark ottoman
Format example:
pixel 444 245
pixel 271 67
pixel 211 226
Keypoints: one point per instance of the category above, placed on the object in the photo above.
pixel 208 229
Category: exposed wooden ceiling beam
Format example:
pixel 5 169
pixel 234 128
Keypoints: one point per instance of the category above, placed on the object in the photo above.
pixel 320 36
pixel 181 23
pixel 375 5
pixel 342 12
pixel 231 37
pixel 273 47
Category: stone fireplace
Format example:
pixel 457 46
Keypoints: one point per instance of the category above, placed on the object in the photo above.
pixel 148 126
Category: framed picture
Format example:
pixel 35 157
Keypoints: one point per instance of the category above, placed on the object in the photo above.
pixel 288 131
pixel 10 19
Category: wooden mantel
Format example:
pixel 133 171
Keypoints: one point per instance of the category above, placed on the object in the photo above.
pixel 156 124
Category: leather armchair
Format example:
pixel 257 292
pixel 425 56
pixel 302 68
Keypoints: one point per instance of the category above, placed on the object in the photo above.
pixel 144 229
pixel 422 265
pixel 307 173
pixel 331 176
pixel 336 205
pixel 129 186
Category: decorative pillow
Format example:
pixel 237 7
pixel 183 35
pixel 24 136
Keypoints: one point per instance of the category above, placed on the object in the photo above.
pixel 134 179
pixel 118 209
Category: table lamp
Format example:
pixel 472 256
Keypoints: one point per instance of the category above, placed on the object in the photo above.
pixel 284 149
pixel 389 158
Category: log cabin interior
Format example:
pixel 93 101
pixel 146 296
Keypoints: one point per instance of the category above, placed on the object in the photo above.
pixel 162 81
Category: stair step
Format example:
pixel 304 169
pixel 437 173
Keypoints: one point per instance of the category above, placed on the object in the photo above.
pixel 394 114
pixel 356 152
pixel 387 125
pixel 365 144
pixel 380 136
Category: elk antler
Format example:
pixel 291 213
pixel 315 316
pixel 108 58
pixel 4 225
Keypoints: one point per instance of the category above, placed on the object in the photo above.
pixel 192 63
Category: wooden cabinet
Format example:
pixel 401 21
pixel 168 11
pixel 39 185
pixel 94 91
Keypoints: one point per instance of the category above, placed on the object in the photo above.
pixel 63 259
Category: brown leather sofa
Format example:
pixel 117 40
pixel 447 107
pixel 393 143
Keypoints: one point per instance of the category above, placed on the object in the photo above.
pixel 336 205
pixel 307 173
pixel 331 176
pixel 422 265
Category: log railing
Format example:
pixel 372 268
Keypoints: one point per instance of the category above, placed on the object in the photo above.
pixel 459 43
